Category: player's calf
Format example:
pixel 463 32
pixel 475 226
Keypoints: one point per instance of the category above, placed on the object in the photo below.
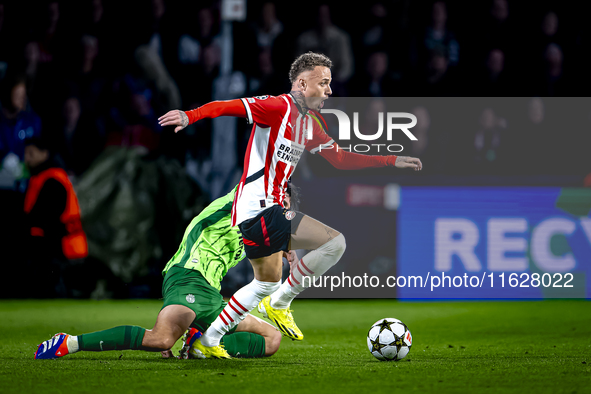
pixel 159 344
pixel 313 265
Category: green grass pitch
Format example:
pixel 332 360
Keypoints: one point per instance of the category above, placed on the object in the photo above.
pixel 476 346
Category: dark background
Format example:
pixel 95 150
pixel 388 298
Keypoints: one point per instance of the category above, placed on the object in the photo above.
pixel 98 73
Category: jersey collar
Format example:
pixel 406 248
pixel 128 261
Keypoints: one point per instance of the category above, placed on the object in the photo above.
pixel 301 110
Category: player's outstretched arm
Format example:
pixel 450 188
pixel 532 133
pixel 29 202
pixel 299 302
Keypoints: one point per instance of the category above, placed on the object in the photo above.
pixel 181 119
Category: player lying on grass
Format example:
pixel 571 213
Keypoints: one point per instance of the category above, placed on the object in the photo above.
pixel 284 126
pixel 210 247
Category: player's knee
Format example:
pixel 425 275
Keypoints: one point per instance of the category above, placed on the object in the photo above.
pixel 341 244
pixel 337 245
pixel 272 343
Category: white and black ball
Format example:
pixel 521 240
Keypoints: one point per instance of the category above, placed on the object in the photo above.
pixel 389 339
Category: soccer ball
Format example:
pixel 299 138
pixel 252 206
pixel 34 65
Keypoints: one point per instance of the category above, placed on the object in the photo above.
pixel 389 339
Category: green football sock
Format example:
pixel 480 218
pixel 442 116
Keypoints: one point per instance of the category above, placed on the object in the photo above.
pixel 244 344
pixel 116 338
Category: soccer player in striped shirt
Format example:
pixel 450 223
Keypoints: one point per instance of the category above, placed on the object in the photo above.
pixel 284 126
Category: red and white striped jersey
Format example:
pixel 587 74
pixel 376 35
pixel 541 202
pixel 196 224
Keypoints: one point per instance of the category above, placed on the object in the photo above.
pixel 281 132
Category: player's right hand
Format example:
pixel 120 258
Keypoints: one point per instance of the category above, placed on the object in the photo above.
pixel 176 118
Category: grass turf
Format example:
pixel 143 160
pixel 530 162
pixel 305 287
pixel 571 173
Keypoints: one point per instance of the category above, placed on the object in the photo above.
pixel 534 346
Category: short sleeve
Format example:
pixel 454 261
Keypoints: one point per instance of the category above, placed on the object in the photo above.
pixel 265 110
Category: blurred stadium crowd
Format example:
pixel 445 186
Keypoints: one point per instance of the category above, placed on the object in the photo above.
pixel 96 73
pixel 92 76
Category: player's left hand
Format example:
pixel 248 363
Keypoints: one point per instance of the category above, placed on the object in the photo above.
pixel 408 162
pixel 176 118
pixel 167 354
